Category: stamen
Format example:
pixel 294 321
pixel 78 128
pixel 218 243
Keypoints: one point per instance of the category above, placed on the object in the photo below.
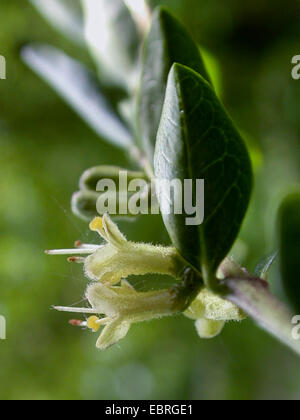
pixel 94 323
pixel 97 224
pixel 84 251
pixel 80 245
pixel 77 323
pixel 78 260
pixel 75 310
pixel 103 321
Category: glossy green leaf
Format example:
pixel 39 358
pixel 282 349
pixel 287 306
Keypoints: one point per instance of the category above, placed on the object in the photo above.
pixel 197 140
pixel 62 17
pixel 168 42
pixel 113 38
pixel 290 248
pixel 78 87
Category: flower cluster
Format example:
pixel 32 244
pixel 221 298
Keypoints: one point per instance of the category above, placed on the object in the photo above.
pixel 116 305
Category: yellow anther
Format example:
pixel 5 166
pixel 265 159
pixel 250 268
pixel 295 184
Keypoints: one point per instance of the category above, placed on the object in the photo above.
pixel 97 224
pixel 93 323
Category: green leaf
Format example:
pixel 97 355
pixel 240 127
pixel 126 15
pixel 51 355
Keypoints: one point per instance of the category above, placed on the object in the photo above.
pixel 62 17
pixel 168 42
pixel 113 39
pixel 289 217
pixel 197 140
pixel 74 83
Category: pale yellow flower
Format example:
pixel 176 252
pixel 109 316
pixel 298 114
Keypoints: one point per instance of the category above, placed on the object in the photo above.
pixel 119 258
pixel 118 307
pixel 211 312
pixel 124 306
pixel 115 305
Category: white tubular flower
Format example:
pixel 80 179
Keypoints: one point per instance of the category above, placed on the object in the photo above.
pixel 119 258
pixel 211 313
pixel 122 306
pixel 117 307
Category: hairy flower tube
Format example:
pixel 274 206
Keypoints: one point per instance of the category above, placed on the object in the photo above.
pixel 116 305
pixel 123 306
pixel 119 258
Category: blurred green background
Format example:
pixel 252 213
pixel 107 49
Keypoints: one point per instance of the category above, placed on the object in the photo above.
pixel 44 148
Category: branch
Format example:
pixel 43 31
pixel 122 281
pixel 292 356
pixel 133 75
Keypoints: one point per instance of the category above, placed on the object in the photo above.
pixel 254 297
pixel 142 161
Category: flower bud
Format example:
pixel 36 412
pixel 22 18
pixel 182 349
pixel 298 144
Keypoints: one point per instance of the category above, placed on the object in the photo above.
pixel 90 178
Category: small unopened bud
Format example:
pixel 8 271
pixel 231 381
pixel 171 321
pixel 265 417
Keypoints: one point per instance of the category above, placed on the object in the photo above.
pixel 91 177
pixel 88 204
pixel 84 204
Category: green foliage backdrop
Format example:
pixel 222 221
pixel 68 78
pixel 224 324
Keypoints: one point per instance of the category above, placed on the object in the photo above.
pixel 44 148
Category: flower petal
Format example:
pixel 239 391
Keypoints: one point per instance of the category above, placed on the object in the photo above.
pixel 210 306
pixel 219 309
pixel 103 299
pixel 196 310
pixel 104 265
pixel 208 329
pixel 112 333
pixel 113 233
pixel 108 230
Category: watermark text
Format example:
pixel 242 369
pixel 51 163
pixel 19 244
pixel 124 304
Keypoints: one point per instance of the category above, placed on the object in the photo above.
pixel 2 328
pixel 296 67
pixel 2 67
pixel 296 329
pixel 141 197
